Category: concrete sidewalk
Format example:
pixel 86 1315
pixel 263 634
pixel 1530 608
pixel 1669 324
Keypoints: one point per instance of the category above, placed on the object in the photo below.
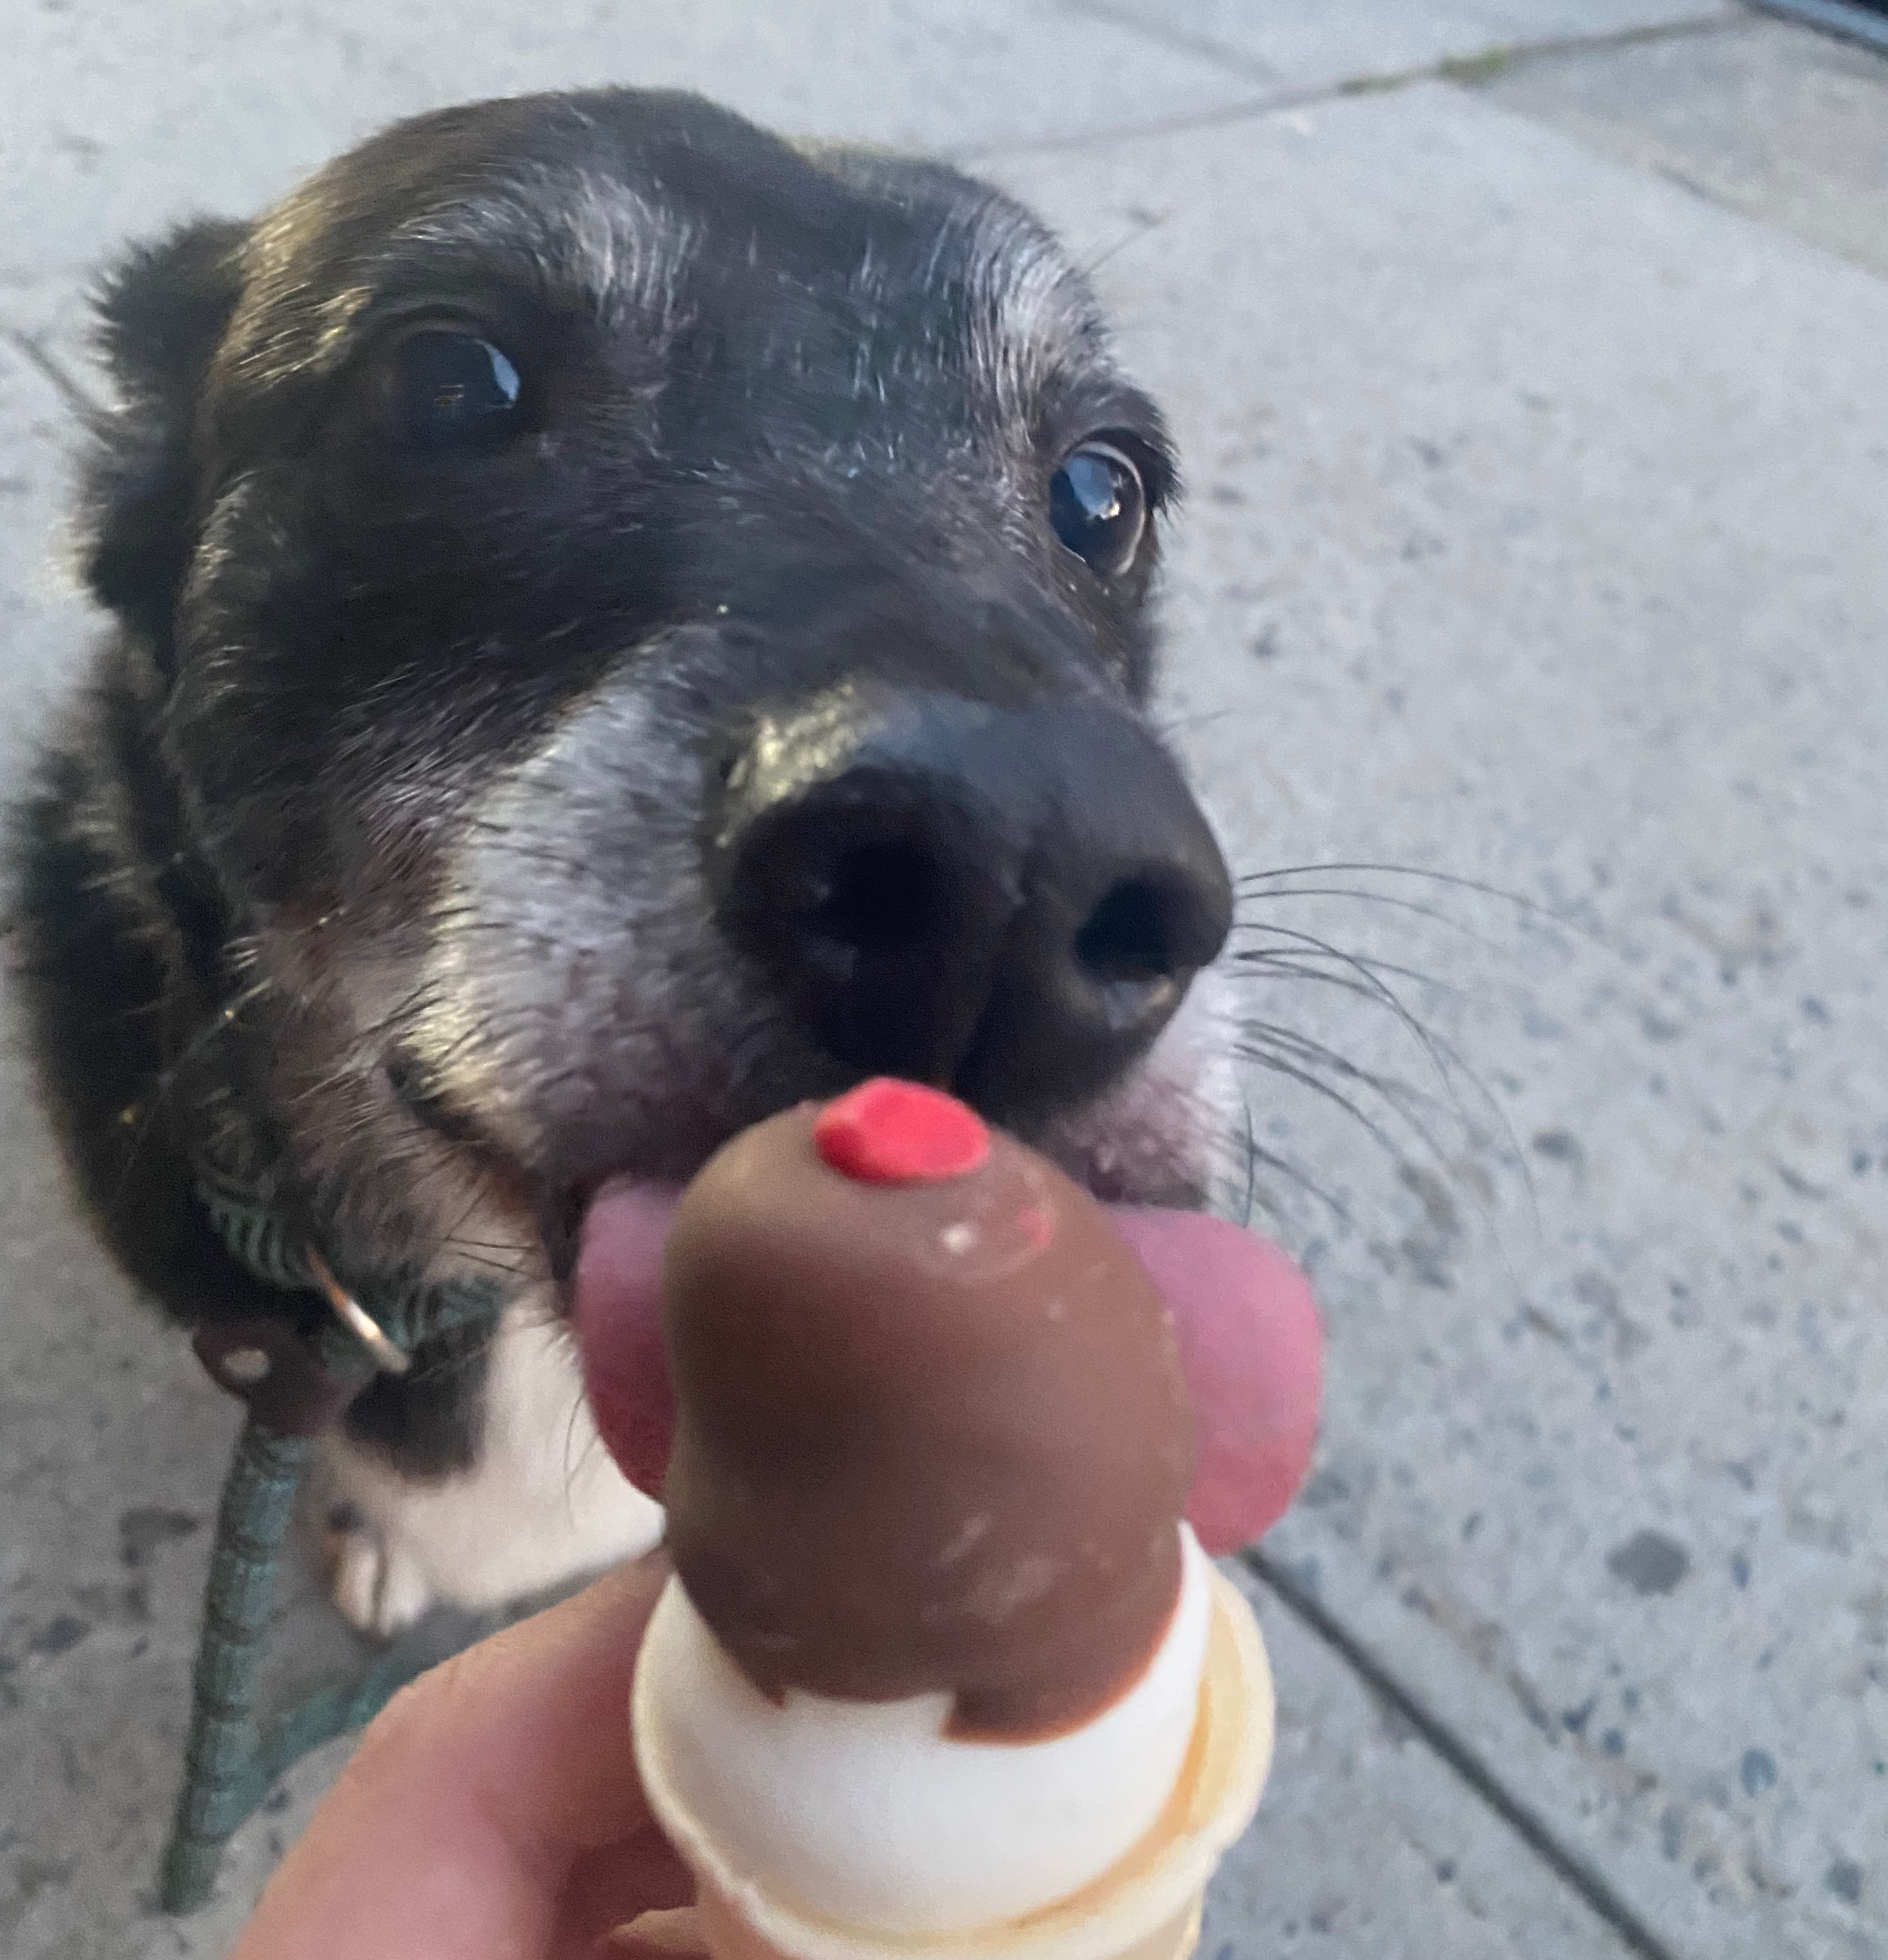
pixel 1527 355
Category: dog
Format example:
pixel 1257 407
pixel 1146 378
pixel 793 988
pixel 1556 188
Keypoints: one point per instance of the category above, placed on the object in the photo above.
pixel 621 623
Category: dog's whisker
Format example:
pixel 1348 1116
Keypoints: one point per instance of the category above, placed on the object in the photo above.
pixel 1249 1137
pixel 1451 1067
pixel 1367 975
pixel 1445 1052
pixel 1259 1157
pixel 1362 970
pixel 1402 1102
pixel 1310 1053
pixel 1279 1065
pixel 164 1083
pixel 1452 1072
pixel 1387 901
pixel 1169 726
pixel 1356 976
pixel 511 1268
pixel 1299 962
pixel 1346 867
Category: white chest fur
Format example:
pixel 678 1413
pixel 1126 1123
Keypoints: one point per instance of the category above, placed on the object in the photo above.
pixel 543 1502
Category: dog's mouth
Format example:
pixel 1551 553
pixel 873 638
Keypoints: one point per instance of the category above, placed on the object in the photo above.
pixel 1248 1332
pixel 1248 1335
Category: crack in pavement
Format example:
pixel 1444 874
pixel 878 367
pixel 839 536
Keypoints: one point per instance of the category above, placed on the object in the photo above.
pixel 1284 97
pixel 89 411
pixel 1575 1871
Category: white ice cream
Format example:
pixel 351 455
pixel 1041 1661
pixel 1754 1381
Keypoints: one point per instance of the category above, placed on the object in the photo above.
pixel 867 1813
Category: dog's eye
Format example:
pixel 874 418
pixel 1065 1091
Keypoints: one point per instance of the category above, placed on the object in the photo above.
pixel 449 389
pixel 1097 505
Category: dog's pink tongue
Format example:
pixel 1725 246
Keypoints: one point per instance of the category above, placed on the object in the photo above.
pixel 1252 1350
pixel 1248 1334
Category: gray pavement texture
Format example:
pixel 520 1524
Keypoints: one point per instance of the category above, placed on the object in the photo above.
pixel 1538 453
pixel 1783 125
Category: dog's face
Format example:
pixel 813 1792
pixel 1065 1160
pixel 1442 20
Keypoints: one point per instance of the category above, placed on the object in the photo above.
pixel 651 625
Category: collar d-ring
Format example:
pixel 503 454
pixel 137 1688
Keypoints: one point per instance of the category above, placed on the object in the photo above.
pixel 388 1357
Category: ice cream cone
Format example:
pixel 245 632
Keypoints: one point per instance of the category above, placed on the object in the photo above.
pixel 1146 1907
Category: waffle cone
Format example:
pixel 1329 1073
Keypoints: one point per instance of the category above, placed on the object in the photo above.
pixel 1146 1907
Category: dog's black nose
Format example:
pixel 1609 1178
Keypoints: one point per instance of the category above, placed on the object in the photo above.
pixel 1010 903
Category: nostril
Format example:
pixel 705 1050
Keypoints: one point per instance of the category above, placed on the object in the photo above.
pixel 1128 936
pixel 1011 900
pixel 880 897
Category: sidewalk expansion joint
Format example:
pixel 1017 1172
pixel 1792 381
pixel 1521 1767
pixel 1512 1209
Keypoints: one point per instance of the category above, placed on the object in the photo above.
pixel 1283 97
pixel 1574 1870
pixel 90 411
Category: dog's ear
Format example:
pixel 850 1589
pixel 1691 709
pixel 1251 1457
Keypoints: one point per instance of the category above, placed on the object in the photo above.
pixel 162 312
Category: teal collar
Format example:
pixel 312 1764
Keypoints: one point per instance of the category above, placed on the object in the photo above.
pixel 295 1384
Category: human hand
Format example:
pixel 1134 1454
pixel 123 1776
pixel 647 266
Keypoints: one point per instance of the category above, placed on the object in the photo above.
pixel 492 1812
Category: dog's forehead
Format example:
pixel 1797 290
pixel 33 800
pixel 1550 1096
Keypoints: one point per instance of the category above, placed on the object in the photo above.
pixel 644 212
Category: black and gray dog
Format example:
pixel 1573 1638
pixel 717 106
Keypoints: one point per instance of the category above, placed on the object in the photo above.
pixel 623 623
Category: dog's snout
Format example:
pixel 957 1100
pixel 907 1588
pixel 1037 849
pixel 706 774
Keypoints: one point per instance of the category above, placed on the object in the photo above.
pixel 1010 901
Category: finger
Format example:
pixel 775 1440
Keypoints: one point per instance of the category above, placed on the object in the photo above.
pixel 658 1936
pixel 453 1832
pixel 613 1884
